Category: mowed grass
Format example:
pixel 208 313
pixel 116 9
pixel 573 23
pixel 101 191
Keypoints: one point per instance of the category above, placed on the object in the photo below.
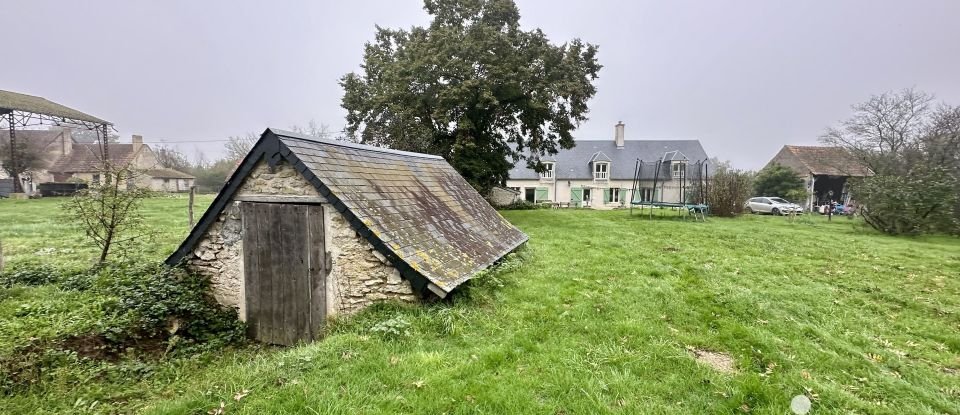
pixel 37 232
pixel 602 317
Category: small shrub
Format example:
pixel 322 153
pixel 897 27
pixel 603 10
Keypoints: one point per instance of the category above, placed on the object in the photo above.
pixel 520 205
pixel 30 276
pixel 394 327
pixel 36 275
pixel 149 310
pixel 729 189
pixel 157 302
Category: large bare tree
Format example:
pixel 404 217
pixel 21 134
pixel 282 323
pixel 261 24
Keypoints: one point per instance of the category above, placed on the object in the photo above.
pixel 238 146
pixel 171 158
pixel 884 131
pixel 912 147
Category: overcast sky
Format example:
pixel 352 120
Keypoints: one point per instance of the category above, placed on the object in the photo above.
pixel 744 77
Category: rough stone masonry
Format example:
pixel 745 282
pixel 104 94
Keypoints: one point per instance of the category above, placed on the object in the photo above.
pixel 359 275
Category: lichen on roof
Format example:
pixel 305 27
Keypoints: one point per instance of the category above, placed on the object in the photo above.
pixel 413 208
pixel 14 101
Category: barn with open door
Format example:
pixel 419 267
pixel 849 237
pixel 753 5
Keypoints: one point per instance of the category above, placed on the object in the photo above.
pixel 307 228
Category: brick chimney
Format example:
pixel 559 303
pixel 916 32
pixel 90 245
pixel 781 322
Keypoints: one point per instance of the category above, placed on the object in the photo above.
pixel 137 143
pixel 66 141
pixel 618 135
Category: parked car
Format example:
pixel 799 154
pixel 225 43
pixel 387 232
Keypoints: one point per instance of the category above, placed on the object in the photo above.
pixel 772 205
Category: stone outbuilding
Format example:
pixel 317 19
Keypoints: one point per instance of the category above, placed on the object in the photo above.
pixel 307 228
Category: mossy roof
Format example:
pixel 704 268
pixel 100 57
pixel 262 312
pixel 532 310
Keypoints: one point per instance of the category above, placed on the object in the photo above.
pixel 14 101
pixel 413 208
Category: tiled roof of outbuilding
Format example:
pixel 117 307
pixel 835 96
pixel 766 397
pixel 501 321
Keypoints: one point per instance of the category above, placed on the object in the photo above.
pixel 415 209
pixel 88 158
pixel 166 173
pixel 833 161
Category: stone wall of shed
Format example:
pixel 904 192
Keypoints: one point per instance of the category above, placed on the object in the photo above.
pixel 499 196
pixel 359 275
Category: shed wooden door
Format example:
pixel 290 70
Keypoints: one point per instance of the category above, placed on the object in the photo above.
pixel 284 270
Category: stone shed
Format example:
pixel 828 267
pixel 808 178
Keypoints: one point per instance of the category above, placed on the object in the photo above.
pixel 308 228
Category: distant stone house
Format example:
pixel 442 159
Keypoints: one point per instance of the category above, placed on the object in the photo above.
pixel 48 146
pixel 169 180
pixel 599 173
pixel 84 162
pixel 307 228
pixel 825 171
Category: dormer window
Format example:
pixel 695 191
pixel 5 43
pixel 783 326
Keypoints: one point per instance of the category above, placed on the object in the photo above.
pixel 678 169
pixel 601 171
pixel 547 173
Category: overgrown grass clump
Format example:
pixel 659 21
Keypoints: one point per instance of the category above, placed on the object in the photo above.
pixel 103 319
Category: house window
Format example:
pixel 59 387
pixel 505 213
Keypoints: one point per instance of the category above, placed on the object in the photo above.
pixel 615 195
pixel 646 194
pixel 548 173
pixel 678 170
pixel 600 171
pixel 586 195
pixel 96 179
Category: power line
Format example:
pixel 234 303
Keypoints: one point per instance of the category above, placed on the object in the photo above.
pixel 224 140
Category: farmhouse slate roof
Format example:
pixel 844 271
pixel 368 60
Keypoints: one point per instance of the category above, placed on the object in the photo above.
pixel 833 161
pixel 413 208
pixel 165 173
pixel 574 164
pixel 14 101
pixel 88 158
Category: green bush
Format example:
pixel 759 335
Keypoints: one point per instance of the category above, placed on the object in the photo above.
pixel 30 276
pixel 519 205
pixel 160 302
pixel 922 201
pixel 149 311
pixel 780 181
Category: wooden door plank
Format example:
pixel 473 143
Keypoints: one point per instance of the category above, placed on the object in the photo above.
pixel 250 266
pixel 277 229
pixel 268 232
pixel 317 264
pixel 301 264
pixel 287 277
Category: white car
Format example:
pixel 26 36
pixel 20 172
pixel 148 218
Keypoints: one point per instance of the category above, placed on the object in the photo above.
pixel 772 205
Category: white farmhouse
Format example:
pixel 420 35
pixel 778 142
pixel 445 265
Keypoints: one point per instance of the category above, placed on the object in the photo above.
pixel 600 173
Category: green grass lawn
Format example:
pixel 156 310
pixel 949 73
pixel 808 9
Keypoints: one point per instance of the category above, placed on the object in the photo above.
pixel 603 315
pixel 35 232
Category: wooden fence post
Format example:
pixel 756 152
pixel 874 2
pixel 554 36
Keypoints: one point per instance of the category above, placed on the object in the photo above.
pixel 193 190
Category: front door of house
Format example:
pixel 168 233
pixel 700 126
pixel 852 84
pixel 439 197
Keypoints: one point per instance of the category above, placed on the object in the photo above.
pixel 284 268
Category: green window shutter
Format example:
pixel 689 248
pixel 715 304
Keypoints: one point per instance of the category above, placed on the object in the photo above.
pixel 542 194
pixel 606 195
pixel 576 194
pixel 623 196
